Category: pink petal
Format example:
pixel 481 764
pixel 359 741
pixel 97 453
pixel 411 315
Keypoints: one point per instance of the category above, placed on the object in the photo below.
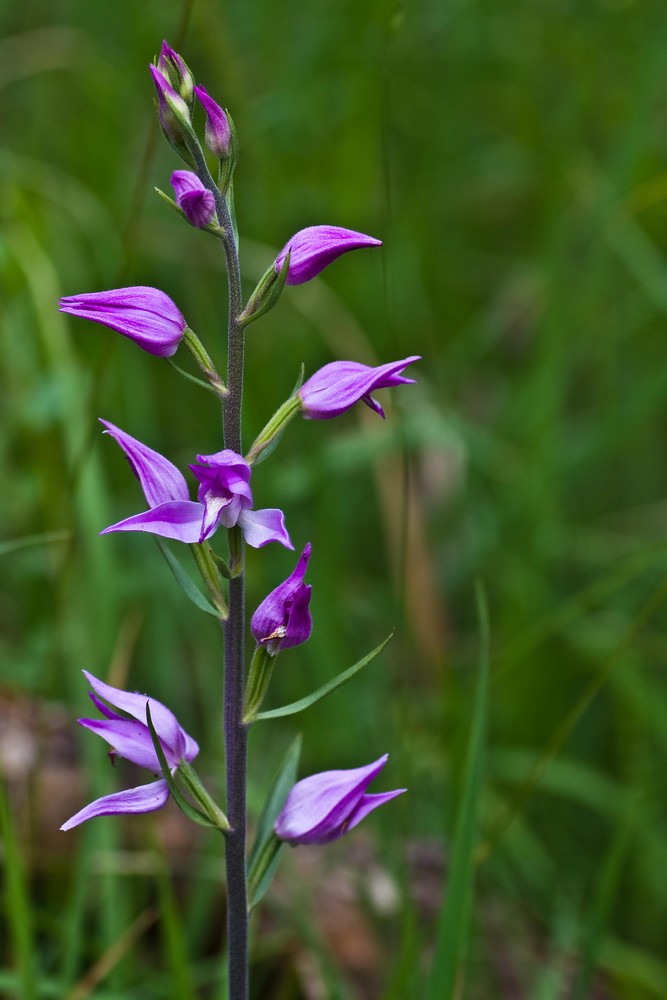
pixel 263 526
pixel 144 799
pixel 178 519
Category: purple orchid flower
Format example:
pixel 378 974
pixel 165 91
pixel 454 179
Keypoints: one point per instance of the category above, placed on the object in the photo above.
pixel 217 133
pixel 325 806
pixel 131 738
pixel 195 201
pixel 145 315
pixel 312 249
pixel 283 619
pixel 224 497
pixel 335 388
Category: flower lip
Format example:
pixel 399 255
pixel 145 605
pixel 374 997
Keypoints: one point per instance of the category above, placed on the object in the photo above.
pixel 143 314
pixel 314 248
pixel 325 806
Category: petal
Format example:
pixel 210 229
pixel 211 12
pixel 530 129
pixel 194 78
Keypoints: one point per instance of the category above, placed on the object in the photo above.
pixel 367 804
pixel 170 732
pixel 317 807
pixel 224 470
pixel 160 480
pixel 145 315
pixel 198 207
pixel 144 799
pixel 263 526
pixel 314 248
pixel 299 623
pixel 183 181
pixel 131 740
pixel 178 519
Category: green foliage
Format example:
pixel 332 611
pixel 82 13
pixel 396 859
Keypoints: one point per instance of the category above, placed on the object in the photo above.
pixel 511 157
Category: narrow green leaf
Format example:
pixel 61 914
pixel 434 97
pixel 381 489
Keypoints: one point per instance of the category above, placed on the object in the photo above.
pixel 17 899
pixel 284 780
pixel 184 581
pixel 322 692
pixel 604 895
pixel 194 814
pixel 454 919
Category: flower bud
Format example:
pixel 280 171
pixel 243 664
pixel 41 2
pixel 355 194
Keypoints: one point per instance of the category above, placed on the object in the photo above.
pixel 218 133
pixel 174 115
pixel 175 70
pixel 283 619
pixel 195 201
pixel 312 249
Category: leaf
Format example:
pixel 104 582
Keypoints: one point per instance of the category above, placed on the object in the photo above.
pixel 283 782
pixel 184 581
pixel 194 814
pixel 322 692
pixel 454 919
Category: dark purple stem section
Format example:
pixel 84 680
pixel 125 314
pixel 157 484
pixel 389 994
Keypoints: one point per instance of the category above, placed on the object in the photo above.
pixel 236 734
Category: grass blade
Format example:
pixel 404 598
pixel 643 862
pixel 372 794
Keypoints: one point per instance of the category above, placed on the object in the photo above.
pixel 454 920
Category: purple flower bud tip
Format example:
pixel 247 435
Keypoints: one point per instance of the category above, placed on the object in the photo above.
pixel 325 806
pixel 196 201
pixel 312 249
pixel 145 315
pixel 129 737
pixel 167 96
pixel 337 386
pixel 217 133
pixel 283 618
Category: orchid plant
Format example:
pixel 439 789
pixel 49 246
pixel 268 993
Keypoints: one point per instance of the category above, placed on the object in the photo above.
pixel 319 808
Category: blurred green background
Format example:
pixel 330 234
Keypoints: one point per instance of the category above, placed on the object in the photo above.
pixel 511 156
